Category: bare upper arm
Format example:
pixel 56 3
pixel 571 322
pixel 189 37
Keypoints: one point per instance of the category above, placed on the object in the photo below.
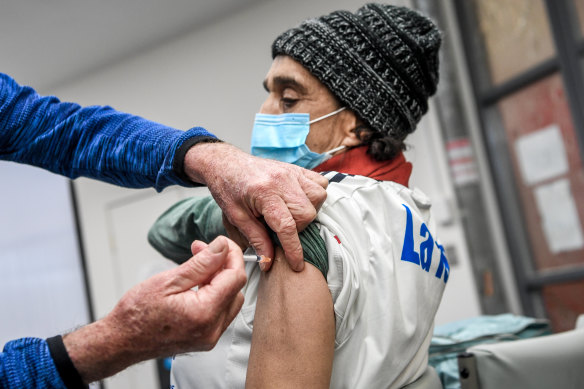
pixel 294 329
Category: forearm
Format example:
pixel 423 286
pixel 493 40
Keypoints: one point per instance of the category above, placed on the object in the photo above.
pixel 210 161
pixel 99 350
pixel 95 142
pixel 294 329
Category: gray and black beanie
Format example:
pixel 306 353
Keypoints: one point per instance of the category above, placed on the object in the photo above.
pixel 382 62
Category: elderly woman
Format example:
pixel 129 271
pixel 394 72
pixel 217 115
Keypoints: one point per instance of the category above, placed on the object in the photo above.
pixel 344 91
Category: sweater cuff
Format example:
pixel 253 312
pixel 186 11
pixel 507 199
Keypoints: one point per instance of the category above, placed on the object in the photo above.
pixel 69 374
pixel 179 157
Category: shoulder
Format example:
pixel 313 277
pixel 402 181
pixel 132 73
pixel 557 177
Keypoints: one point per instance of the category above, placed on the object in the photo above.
pixel 359 196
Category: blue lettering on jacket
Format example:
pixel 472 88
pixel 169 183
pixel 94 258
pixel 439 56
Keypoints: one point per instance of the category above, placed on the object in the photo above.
pixel 426 248
pixel 408 252
pixel 443 266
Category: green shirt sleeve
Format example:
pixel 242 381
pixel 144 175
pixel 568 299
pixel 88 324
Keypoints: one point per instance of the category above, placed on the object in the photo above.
pixel 313 247
pixel 199 218
pixel 195 218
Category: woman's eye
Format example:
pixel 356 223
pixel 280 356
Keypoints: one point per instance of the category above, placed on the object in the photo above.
pixel 288 103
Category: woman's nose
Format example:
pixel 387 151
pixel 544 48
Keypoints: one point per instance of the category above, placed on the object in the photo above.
pixel 270 106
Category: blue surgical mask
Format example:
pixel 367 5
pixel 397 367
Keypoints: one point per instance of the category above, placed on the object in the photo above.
pixel 283 138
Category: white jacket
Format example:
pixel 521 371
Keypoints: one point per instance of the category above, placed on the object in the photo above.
pixel 386 275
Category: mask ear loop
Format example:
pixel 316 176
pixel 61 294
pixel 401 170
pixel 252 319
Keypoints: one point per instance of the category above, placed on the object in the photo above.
pixel 327 115
pixel 336 149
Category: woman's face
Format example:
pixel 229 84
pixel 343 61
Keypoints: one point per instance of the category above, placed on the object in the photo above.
pixel 293 89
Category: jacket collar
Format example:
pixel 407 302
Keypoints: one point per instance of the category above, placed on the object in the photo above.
pixel 356 161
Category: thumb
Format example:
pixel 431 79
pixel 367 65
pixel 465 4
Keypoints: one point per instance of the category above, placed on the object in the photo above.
pixel 203 265
pixel 197 246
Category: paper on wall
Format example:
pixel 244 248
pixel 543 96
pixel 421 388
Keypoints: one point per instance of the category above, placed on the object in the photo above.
pixel 559 215
pixel 541 155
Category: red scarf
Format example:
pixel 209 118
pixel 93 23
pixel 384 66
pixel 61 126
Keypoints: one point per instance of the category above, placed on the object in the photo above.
pixel 357 161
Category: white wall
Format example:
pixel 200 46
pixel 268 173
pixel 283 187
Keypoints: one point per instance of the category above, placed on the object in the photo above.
pixel 212 78
pixel 41 278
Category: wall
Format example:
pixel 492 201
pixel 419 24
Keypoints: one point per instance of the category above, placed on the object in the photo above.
pixel 212 78
pixel 41 277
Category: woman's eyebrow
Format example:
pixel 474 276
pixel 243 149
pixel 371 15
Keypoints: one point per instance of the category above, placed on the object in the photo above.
pixel 283 81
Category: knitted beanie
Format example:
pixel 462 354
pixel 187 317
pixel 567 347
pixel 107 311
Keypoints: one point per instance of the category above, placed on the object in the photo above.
pixel 382 62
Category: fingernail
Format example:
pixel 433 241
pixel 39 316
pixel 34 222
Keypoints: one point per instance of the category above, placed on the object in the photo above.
pixel 216 246
pixel 263 266
pixel 300 266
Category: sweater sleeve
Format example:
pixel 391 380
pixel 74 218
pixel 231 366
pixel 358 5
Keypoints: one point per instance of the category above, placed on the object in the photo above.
pixel 96 142
pixel 27 363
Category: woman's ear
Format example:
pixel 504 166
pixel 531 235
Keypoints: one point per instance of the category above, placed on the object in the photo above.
pixel 350 124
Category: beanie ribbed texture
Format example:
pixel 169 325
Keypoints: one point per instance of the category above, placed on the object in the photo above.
pixel 382 62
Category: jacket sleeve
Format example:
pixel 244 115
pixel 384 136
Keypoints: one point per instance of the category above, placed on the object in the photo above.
pixel 199 218
pixel 96 142
pixel 27 363
pixel 194 218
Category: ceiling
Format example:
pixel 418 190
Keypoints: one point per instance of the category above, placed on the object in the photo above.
pixel 47 42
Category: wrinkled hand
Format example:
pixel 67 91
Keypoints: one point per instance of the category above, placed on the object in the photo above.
pixel 248 188
pixel 163 316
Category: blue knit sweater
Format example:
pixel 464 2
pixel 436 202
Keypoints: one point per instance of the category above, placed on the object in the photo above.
pixel 27 363
pixel 95 142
